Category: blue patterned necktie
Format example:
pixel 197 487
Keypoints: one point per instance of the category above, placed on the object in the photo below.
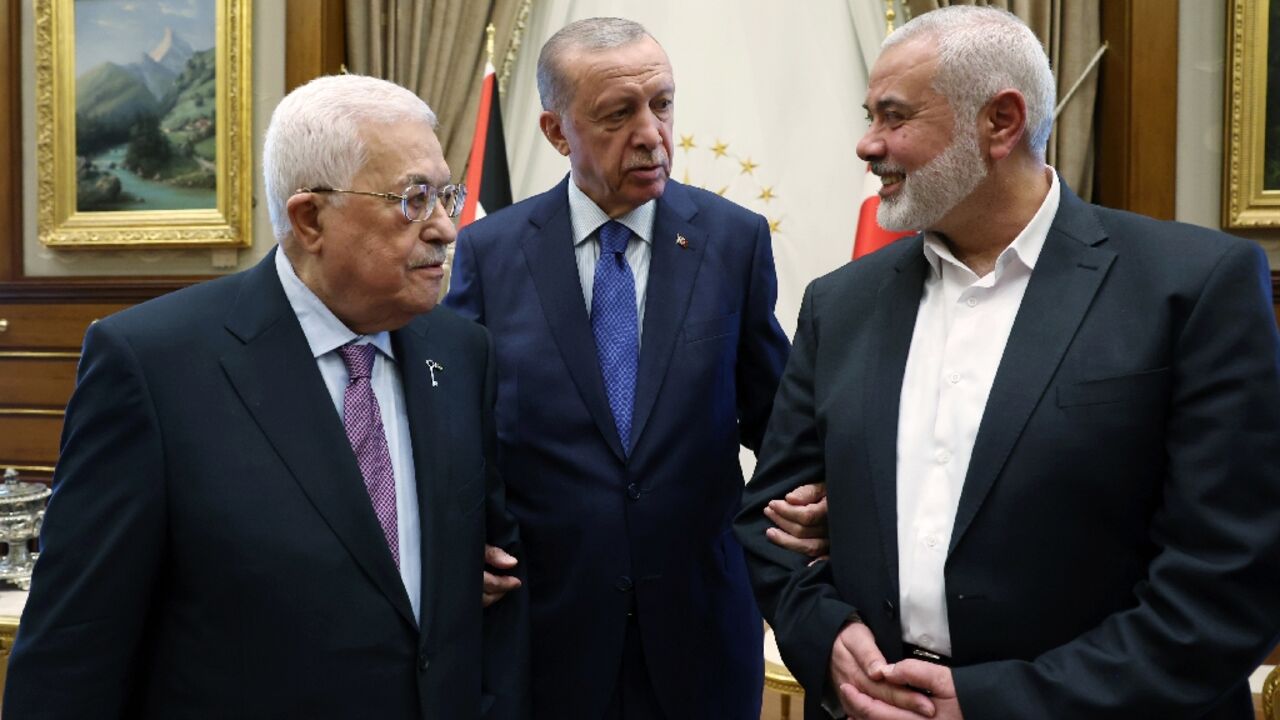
pixel 613 321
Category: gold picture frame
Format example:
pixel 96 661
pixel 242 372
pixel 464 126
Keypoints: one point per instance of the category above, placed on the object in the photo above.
pixel 60 224
pixel 1248 199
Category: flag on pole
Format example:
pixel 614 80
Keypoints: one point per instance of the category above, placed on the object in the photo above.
pixel 488 178
pixel 870 236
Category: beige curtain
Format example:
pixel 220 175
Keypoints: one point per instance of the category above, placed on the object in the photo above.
pixel 1071 32
pixel 437 49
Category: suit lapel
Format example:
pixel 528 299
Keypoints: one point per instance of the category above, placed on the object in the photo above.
pixel 1067 275
pixel 672 269
pixel 550 258
pixel 428 411
pixel 281 386
pixel 893 325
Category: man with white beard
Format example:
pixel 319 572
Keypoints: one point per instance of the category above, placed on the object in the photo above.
pixel 1047 429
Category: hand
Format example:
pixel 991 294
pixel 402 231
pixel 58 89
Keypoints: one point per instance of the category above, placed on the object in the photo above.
pixel 935 679
pixel 865 691
pixel 495 586
pixel 801 520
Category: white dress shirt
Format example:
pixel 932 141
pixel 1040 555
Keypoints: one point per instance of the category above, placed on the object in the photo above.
pixel 325 333
pixel 960 334
pixel 587 217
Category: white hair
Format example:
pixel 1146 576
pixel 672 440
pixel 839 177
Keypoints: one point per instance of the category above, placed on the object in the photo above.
pixel 592 34
pixel 314 139
pixel 981 51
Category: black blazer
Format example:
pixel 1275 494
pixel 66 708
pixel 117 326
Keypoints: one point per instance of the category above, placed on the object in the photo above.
pixel 1117 542
pixel 210 550
pixel 608 532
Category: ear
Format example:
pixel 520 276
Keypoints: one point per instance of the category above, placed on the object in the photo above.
pixel 552 128
pixel 1003 122
pixel 304 216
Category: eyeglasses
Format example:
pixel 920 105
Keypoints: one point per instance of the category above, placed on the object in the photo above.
pixel 418 201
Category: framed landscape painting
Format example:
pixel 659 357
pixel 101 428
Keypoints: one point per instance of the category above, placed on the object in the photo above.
pixel 143 123
pixel 1251 172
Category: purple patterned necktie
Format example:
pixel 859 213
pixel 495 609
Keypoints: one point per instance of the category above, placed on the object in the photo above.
pixel 363 421
pixel 614 323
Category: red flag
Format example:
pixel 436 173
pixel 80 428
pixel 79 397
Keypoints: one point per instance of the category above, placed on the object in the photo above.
pixel 488 178
pixel 871 237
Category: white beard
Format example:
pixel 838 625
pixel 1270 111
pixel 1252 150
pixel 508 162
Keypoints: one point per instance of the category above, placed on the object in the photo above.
pixel 930 192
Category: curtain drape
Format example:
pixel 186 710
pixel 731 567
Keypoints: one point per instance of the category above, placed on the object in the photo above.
pixel 1071 31
pixel 437 49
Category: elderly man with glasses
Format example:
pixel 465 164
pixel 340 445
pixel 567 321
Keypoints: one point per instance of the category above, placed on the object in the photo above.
pixel 276 488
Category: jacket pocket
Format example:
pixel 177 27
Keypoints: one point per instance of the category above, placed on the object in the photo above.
pixel 1131 387
pixel 711 329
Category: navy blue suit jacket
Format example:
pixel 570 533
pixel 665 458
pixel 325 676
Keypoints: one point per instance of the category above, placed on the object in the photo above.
pixel 603 529
pixel 1117 542
pixel 210 550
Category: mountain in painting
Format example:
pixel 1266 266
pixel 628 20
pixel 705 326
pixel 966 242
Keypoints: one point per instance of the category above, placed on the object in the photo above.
pixel 172 52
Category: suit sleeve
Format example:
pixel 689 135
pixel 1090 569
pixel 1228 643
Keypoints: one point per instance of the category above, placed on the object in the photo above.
pixel 506 622
pixel 1208 611
pixel 465 295
pixel 763 347
pixel 799 600
pixel 102 546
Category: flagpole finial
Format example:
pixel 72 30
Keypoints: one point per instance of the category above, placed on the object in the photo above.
pixel 889 16
pixel 489 33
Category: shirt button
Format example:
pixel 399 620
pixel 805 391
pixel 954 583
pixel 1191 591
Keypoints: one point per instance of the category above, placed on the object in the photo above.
pixel 931 540
pixel 633 491
pixel 927 639
pixel 423 662
pixel 953 378
pixel 943 457
pixel 971 302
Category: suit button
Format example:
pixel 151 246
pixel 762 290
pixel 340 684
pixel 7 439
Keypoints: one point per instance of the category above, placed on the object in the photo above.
pixel 423 663
pixel 623 583
pixel 890 609
pixel 633 491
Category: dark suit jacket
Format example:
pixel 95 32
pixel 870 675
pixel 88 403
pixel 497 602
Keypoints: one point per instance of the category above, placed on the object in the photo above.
pixel 1117 543
pixel 603 530
pixel 210 550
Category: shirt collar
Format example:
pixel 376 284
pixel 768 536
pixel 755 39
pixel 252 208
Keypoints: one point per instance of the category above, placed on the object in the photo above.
pixel 1025 247
pixel 323 330
pixel 587 217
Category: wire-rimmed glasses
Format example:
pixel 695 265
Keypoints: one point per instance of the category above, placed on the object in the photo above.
pixel 417 202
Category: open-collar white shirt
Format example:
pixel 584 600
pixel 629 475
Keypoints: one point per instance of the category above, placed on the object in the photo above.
pixel 961 330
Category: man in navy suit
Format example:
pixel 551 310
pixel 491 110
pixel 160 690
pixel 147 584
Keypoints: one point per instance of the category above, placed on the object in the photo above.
pixel 275 488
pixel 637 350
pixel 1049 431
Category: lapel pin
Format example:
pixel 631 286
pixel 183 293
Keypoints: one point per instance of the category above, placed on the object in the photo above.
pixel 682 242
pixel 432 367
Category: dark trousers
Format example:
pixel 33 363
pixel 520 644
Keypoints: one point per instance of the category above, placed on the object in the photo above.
pixel 633 696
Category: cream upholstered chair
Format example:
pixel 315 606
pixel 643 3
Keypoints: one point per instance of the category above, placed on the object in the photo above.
pixel 777 677
pixel 1271 695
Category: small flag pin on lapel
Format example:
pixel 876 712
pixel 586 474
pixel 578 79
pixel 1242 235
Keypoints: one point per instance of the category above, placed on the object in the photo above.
pixel 682 242
pixel 432 367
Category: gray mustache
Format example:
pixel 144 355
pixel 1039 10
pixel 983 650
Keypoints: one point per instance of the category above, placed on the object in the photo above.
pixel 657 157
pixel 433 255
pixel 884 168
